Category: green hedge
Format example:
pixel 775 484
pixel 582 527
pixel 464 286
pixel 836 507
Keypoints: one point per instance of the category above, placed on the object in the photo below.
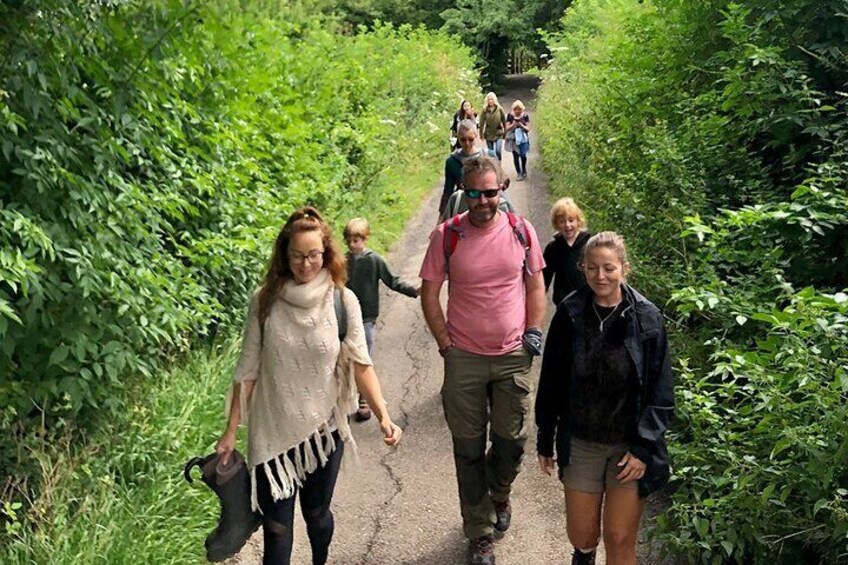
pixel 713 136
pixel 150 152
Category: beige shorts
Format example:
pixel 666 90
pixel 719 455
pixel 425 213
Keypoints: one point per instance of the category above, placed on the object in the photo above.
pixel 593 467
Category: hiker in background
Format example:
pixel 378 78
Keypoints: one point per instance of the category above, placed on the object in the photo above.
pixel 563 253
pixel 458 203
pixel 605 399
pixel 467 132
pixel 465 112
pixel 493 125
pixel 518 138
pixel 298 376
pixel 365 270
pixel 495 307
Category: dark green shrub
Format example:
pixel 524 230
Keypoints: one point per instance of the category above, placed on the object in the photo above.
pixel 713 136
pixel 150 150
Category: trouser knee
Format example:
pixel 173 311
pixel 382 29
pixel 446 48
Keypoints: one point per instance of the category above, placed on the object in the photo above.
pixel 470 456
pixel 277 542
pixel 319 527
pixel 318 519
pixel 511 450
pixel 469 449
pixel 274 528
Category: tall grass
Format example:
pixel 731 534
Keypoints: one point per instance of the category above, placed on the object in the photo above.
pixel 121 497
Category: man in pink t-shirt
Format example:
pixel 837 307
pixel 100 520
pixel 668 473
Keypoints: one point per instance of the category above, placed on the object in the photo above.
pixel 496 304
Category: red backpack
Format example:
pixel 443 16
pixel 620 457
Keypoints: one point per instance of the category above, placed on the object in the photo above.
pixel 454 232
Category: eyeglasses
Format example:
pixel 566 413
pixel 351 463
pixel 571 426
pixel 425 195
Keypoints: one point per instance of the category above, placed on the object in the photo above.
pixel 467 139
pixel 488 193
pixel 313 257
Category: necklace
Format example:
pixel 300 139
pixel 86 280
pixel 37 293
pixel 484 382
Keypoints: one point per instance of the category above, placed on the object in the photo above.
pixel 608 316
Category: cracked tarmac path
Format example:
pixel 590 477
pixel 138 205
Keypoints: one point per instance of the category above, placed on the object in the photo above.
pixel 400 506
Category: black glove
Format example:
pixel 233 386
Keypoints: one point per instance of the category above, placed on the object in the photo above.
pixel 532 341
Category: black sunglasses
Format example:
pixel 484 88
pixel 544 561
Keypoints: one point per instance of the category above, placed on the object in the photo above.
pixel 488 193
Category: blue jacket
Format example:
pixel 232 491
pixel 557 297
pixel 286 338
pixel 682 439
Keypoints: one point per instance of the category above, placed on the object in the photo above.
pixel 647 345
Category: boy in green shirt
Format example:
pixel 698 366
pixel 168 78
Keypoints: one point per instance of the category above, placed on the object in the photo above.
pixel 365 270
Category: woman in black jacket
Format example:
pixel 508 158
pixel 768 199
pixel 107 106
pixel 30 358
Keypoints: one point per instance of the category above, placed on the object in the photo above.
pixel 605 399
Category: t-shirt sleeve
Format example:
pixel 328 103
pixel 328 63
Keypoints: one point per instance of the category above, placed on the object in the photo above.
pixel 247 367
pixel 535 260
pixel 355 337
pixel 433 267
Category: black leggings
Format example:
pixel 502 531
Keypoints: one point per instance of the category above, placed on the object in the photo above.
pixel 520 162
pixel 315 497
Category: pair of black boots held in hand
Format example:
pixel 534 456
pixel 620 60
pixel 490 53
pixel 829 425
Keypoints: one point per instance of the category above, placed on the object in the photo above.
pixel 231 483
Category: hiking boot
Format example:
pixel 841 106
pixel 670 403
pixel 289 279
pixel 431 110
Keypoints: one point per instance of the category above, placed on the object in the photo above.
pixel 503 513
pixel 580 558
pixel 482 551
pixel 237 521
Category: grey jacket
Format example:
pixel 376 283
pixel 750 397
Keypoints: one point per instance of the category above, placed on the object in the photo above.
pixel 364 273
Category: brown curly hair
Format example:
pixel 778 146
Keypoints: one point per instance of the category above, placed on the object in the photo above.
pixel 279 271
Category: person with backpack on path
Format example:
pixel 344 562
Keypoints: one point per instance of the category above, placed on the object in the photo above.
pixel 467 135
pixel 365 270
pixel 518 138
pixel 457 203
pixel 496 305
pixel 605 401
pixel 493 125
pixel 302 359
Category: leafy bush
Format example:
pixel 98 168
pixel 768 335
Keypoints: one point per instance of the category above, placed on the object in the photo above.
pixel 713 136
pixel 762 431
pixel 151 150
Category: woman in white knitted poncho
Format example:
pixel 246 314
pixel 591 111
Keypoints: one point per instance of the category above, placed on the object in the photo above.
pixel 298 382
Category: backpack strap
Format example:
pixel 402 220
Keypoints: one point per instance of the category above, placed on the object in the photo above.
pixel 519 228
pixel 451 236
pixel 454 211
pixel 341 312
pixel 453 233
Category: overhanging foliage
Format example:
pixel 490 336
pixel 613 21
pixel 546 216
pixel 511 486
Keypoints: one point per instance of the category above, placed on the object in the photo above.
pixel 713 136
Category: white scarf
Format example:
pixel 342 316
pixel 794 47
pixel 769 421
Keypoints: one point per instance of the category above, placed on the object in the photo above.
pixel 305 382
